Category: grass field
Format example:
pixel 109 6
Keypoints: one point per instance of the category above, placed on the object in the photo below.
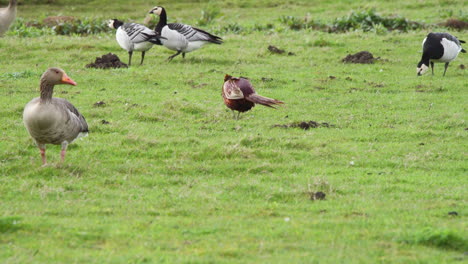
pixel 172 178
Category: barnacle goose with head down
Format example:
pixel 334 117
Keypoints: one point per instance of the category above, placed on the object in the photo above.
pixel 439 47
pixel 179 37
pixel 134 37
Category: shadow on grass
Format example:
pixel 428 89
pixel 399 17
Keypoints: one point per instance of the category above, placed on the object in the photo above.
pixel 444 239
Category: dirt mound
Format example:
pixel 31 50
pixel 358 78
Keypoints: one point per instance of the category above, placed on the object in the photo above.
pixel 276 50
pixel 107 61
pixel 306 125
pixel 317 196
pixel 360 57
pixel 455 24
pixel 56 20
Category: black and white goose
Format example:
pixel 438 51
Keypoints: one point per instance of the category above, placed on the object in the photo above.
pixel 134 37
pixel 180 37
pixel 439 47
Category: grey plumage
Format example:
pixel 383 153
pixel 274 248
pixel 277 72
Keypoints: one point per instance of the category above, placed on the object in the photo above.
pixel 52 120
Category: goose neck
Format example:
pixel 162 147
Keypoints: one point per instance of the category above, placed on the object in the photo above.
pixel 47 89
pixel 162 21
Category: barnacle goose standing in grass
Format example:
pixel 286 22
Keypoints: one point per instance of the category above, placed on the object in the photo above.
pixel 134 37
pixel 439 47
pixel 179 37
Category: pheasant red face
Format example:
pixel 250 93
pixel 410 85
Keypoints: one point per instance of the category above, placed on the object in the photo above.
pixel 67 80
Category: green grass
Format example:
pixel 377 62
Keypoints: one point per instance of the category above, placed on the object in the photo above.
pixel 174 179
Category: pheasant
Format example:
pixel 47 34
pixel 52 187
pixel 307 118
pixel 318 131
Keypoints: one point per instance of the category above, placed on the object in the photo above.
pixel 239 95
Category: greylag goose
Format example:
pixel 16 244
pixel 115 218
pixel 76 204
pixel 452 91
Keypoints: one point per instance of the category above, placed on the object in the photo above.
pixel 439 47
pixel 134 37
pixel 239 95
pixel 51 120
pixel 7 15
pixel 179 37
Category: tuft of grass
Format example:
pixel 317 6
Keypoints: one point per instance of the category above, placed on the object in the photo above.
pixel 440 238
pixel 58 26
pixel 10 224
pixel 370 20
pixel 208 15
pixel 18 75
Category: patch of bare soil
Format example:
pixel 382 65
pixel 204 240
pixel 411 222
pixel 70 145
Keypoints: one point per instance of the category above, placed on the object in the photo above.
pixel 455 24
pixel 99 104
pixel 276 50
pixel 317 196
pixel 306 125
pixel 363 57
pixel 107 61
pixel 56 20
pixel 462 66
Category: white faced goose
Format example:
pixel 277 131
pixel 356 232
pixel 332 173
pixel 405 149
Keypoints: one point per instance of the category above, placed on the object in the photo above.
pixel 7 15
pixel 439 47
pixel 134 37
pixel 179 37
pixel 51 120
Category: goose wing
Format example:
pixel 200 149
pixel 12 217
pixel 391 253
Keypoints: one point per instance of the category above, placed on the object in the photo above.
pixel 138 33
pixel 76 118
pixel 194 34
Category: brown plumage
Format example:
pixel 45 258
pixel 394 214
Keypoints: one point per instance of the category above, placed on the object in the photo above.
pixel 239 95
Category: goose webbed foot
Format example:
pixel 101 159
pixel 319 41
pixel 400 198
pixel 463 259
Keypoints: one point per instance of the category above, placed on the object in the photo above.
pixel 172 57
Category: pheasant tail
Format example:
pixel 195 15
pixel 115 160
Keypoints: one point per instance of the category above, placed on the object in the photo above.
pixel 258 99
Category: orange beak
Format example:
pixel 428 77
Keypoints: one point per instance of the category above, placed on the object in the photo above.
pixel 67 80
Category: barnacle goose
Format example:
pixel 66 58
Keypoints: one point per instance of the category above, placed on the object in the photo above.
pixel 439 47
pixel 134 37
pixel 179 37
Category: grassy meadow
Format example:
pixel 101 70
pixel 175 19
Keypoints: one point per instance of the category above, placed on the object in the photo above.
pixel 166 174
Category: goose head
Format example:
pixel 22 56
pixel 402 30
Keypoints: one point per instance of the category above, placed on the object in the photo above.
pixel 56 76
pixel 114 23
pixel 157 10
pixel 422 68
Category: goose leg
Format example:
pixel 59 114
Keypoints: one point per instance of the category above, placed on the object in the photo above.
pixel 432 67
pixel 142 57
pixel 238 115
pixel 446 66
pixel 42 149
pixel 171 57
pixel 130 57
pixel 64 150
pixel 183 55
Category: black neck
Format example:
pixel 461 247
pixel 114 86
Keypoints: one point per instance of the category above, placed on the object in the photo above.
pixel 117 23
pixel 426 58
pixel 162 21
pixel 47 89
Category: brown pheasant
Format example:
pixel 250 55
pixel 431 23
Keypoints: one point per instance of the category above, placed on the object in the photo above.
pixel 239 95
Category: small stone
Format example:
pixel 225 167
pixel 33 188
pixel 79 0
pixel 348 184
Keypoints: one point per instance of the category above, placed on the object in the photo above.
pixel 453 213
